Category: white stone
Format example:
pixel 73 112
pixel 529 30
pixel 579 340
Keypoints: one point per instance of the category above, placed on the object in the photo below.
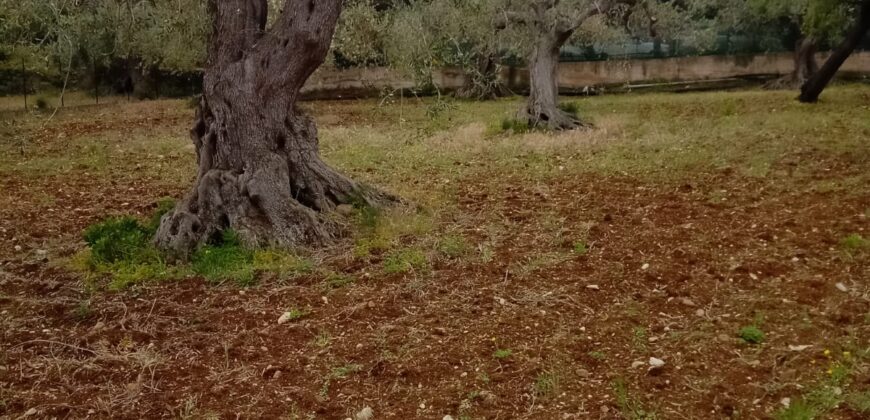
pixel 842 287
pixel 656 362
pixel 365 414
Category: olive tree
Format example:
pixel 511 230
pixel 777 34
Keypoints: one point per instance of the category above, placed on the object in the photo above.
pixel 260 172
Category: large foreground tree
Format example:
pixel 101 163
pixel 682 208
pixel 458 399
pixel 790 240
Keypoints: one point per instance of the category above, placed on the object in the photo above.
pixel 814 86
pixel 260 172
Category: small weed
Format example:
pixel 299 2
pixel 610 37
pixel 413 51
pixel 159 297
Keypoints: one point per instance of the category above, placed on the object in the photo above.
pixel 295 314
pixel 855 243
pixel 405 261
pixel 639 338
pixel 751 334
pixel 323 340
pixel 597 355
pixel 502 354
pixel 547 384
pixel 629 407
pixel 453 246
pixel 580 248
pixel 345 371
pixel 860 402
pixel 83 310
pixel 512 126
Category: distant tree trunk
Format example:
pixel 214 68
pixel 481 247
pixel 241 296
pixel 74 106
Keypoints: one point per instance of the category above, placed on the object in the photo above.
pixel 805 66
pixel 24 82
pixel 260 172
pixel 542 107
pixel 816 84
pixel 482 82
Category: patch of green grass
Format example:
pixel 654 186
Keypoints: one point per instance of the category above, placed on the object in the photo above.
pixel 502 354
pixel 380 231
pixel 345 371
pixel 511 126
pixel 855 243
pixel 405 261
pixel 631 408
pixel 580 248
pixel 116 239
pixel 228 260
pixel 453 246
pixel 751 334
pixel 281 263
pixel 570 108
pixel 597 355
pixel 547 384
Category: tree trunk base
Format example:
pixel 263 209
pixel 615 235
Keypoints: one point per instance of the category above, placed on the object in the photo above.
pixel 550 118
pixel 787 82
pixel 280 197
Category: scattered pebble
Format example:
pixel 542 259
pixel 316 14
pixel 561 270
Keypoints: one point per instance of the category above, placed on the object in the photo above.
pixel 18 248
pixel 637 364
pixel 799 348
pixel 422 406
pixel 31 412
pixel 786 402
pixel 656 362
pixel 285 318
pixel 447 417
pixel 700 312
pixel 365 414
pixel 687 302
pixel 842 287
pixel 645 266
pixel 593 287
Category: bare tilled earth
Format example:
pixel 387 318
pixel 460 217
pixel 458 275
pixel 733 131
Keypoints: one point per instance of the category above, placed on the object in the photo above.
pixel 523 325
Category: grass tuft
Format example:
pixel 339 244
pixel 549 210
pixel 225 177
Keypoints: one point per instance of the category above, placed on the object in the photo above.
pixel 751 334
pixel 406 261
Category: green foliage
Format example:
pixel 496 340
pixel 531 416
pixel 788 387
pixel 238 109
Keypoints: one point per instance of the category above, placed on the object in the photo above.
pixel 570 108
pixel 580 248
pixel 547 384
pixel 228 260
pixel 855 243
pixel 513 126
pixel 453 246
pixel 116 239
pixel 405 261
pixel 751 334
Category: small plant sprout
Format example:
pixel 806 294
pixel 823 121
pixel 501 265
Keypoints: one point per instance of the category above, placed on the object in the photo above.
pixel 751 334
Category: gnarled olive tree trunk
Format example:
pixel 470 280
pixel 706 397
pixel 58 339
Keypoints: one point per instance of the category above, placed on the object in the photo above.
pixel 811 90
pixel 542 107
pixel 260 173
pixel 805 66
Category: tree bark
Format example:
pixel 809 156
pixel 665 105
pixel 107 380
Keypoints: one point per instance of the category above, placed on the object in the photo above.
pixel 542 108
pixel 817 83
pixel 260 172
pixel 805 66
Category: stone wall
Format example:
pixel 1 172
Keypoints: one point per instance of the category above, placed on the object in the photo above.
pixel 369 82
